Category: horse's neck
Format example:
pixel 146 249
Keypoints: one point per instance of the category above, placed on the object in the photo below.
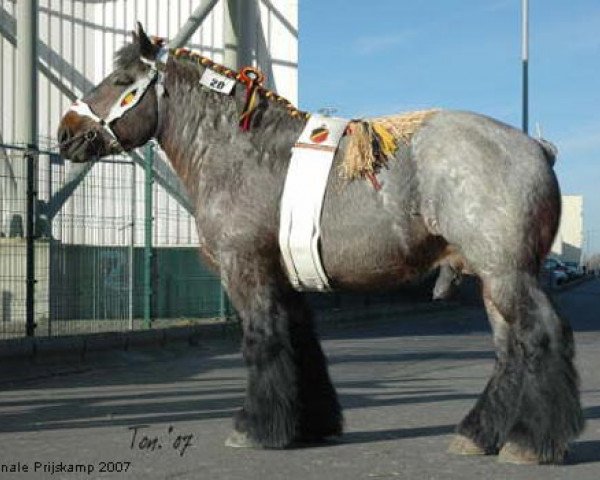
pixel 190 122
pixel 200 127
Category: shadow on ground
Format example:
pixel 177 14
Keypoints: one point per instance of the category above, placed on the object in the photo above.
pixel 175 406
pixel 584 452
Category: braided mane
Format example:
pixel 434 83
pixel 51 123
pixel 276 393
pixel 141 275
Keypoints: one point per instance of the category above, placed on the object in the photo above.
pixel 130 53
pixel 190 55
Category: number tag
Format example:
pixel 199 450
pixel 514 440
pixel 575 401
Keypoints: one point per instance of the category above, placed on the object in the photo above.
pixel 217 82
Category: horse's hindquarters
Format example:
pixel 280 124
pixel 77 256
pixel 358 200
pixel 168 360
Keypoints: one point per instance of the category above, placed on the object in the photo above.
pixel 488 189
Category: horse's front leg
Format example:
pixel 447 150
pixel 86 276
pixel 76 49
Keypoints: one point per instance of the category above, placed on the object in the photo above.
pixel 289 395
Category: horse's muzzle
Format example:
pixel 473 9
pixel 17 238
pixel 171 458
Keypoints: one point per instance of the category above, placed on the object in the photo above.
pixel 81 140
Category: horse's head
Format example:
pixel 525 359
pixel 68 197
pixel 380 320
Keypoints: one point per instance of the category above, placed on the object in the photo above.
pixel 121 113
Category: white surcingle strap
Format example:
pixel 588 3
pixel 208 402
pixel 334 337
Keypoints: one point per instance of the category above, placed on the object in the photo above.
pixel 302 201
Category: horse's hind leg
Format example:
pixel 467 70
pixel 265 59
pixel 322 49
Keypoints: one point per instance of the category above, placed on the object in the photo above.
pixel 289 395
pixel 479 433
pixel 549 414
pixel 530 408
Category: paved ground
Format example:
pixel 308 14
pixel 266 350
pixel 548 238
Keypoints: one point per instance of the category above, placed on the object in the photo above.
pixel 403 386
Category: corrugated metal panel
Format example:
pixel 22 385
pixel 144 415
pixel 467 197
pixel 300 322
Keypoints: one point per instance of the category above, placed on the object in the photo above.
pixel 279 51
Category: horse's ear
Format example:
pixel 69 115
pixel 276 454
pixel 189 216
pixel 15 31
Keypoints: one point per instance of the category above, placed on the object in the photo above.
pixel 147 48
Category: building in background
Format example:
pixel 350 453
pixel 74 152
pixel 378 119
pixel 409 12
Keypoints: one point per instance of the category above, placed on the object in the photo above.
pixel 568 244
pixel 77 43
pixel 90 218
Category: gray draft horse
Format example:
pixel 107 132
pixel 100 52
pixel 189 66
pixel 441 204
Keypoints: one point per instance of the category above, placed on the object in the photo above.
pixel 468 190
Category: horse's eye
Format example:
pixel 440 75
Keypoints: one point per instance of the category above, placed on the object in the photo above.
pixel 123 79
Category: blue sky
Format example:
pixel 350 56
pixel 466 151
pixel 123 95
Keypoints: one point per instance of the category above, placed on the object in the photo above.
pixel 376 57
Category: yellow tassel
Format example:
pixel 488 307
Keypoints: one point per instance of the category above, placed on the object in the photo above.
pixel 359 158
pixel 371 144
pixel 387 142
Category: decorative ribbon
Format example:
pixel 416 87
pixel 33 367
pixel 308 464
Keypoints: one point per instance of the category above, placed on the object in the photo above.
pixel 253 79
pixel 373 179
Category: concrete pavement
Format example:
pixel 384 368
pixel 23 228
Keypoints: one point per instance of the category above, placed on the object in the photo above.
pixel 165 413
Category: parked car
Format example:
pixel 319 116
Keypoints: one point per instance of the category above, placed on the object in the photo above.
pixel 555 271
pixel 574 270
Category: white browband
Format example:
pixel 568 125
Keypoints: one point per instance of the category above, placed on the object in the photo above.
pixel 137 89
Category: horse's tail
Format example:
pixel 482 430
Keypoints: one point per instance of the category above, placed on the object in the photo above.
pixel 550 150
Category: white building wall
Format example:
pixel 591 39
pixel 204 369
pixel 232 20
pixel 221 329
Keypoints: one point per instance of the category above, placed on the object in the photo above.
pixel 77 41
pixel 568 244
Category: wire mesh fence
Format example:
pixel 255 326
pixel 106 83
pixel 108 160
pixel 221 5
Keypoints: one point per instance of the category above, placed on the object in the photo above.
pixel 88 252
pixel 13 248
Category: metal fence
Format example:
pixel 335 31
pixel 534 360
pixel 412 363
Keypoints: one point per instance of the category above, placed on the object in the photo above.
pixel 91 254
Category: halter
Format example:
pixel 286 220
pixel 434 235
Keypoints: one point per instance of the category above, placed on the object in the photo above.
pixel 129 98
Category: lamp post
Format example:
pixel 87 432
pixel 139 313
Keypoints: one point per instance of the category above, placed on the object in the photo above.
pixel 525 62
pixel 26 91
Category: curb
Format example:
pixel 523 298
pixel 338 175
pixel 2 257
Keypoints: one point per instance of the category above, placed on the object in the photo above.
pixel 80 346
pixel 84 344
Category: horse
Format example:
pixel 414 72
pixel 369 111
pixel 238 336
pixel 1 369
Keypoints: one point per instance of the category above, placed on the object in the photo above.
pixel 466 190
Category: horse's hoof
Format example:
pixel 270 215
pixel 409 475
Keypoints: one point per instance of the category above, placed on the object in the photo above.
pixel 514 453
pixel 461 445
pixel 240 440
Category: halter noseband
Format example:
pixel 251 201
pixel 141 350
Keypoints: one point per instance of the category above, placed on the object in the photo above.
pixel 129 98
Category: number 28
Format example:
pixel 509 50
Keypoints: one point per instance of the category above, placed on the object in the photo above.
pixel 217 84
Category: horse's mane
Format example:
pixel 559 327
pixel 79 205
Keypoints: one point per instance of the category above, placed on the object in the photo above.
pixel 129 53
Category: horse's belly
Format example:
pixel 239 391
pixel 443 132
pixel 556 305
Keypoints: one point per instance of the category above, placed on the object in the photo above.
pixel 376 255
pixel 368 271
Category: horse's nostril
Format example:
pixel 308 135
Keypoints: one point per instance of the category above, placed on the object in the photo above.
pixel 64 134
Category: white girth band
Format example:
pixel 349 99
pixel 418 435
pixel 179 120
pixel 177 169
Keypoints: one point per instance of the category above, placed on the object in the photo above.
pixel 302 201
